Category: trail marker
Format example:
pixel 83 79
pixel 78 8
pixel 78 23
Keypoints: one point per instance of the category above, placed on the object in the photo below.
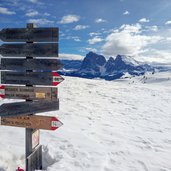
pixel 29 93
pixel 32 121
pixel 31 78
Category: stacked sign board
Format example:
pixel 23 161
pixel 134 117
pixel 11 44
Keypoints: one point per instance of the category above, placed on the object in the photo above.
pixel 24 76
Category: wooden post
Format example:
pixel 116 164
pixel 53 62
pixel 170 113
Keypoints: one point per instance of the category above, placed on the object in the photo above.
pixel 29 132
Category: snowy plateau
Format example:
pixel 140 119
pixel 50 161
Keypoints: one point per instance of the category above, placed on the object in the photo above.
pixel 119 125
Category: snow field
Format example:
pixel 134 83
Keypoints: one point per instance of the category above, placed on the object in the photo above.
pixel 108 125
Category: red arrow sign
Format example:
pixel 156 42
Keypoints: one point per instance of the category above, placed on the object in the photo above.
pixel 56 79
pixel 31 78
pixel 55 123
pixel 32 121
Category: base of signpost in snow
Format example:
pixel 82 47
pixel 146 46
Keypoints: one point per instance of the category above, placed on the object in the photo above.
pixel 34 160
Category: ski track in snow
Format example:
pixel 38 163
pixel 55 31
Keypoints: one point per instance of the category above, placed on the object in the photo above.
pixel 108 126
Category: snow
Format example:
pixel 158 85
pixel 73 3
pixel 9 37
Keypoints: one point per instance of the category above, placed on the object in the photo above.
pixel 129 60
pixel 120 125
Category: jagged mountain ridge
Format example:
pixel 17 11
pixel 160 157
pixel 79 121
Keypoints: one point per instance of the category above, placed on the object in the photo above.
pixel 95 65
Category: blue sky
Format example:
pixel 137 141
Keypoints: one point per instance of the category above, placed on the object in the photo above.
pixel 140 28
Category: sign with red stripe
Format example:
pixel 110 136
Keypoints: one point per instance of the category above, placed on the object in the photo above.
pixel 56 79
pixel 32 121
pixel 31 78
pixel 2 91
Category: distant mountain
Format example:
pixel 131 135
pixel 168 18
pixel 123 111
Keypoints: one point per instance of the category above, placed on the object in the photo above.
pixel 94 65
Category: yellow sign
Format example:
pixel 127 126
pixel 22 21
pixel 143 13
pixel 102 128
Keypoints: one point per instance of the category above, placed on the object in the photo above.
pixel 40 95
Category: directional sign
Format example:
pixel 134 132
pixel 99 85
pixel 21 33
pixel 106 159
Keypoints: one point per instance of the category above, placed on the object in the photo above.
pixel 30 64
pixel 29 35
pixel 29 93
pixel 29 49
pixel 31 78
pixel 34 160
pixel 32 121
pixel 26 108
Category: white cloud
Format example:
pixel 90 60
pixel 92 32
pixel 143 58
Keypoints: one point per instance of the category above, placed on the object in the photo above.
pixel 168 22
pixel 128 40
pixel 144 20
pixel 134 28
pixel 154 55
pixel 168 38
pixel 69 19
pixel 77 39
pixel 40 21
pixel 6 11
pixel 80 27
pixel 32 13
pixel 152 28
pixel 91 49
pixel 95 40
pixel 46 14
pixel 94 34
pixel 34 1
pixel 126 13
pixel 100 20
pixel 70 56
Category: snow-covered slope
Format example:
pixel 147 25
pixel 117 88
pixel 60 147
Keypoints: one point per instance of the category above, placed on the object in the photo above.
pixel 108 126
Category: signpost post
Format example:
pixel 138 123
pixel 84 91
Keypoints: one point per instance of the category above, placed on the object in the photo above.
pixel 30 71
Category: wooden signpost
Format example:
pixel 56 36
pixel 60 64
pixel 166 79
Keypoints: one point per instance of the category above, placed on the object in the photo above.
pixel 30 64
pixel 31 72
pixel 30 49
pixel 32 121
pixel 29 93
pixel 31 78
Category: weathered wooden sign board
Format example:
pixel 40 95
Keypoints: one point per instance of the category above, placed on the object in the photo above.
pixel 30 64
pixel 32 121
pixel 29 34
pixel 31 78
pixel 29 93
pixel 26 108
pixel 29 49
pixel 34 160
